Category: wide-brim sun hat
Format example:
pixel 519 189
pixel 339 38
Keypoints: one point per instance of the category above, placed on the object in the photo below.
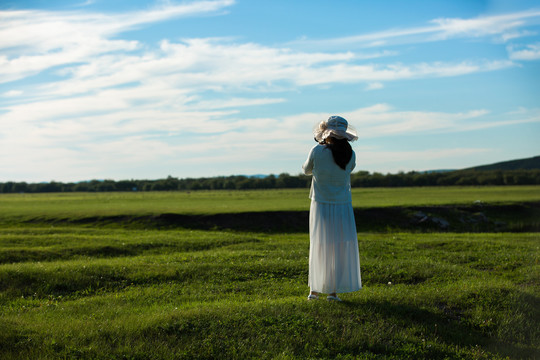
pixel 335 126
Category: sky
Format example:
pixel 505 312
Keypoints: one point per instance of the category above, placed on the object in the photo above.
pixel 133 89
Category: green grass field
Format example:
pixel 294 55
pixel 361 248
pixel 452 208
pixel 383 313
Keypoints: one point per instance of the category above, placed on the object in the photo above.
pixel 73 205
pixel 120 293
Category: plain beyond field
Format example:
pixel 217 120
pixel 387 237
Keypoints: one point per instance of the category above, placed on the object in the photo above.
pixel 235 201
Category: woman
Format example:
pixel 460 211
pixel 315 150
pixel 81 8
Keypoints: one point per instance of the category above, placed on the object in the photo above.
pixel 334 265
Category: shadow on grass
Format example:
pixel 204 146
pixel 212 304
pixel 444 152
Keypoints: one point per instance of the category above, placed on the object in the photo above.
pixel 448 326
pixel 8 256
pixel 296 328
pixel 319 329
pixel 455 218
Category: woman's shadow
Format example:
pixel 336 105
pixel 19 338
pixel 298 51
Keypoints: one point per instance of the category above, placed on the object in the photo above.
pixel 445 324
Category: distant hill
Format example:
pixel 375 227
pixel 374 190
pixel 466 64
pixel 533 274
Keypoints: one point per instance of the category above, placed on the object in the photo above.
pixel 520 164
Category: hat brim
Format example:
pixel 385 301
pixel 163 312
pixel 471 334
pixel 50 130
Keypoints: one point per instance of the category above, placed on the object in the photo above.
pixel 350 134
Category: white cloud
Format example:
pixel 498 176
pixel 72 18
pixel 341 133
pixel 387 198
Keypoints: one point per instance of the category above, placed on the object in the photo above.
pixel 516 34
pixel 33 40
pixel 12 93
pixel 374 86
pixel 505 27
pixel 234 103
pixel 87 43
pixel 529 52
pixel 483 25
pixel 382 120
pixel 348 73
pixel 427 156
pixel 377 160
pixel 133 141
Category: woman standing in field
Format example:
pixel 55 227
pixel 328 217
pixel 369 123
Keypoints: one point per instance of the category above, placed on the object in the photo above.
pixel 334 264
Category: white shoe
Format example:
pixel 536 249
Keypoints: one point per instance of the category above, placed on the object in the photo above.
pixel 312 297
pixel 332 298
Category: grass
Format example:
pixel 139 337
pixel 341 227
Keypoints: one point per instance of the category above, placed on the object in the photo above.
pixel 120 293
pixel 105 293
pixel 76 205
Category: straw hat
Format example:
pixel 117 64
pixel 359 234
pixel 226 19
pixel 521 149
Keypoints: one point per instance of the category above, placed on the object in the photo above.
pixel 335 126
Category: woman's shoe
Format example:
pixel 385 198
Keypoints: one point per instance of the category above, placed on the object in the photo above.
pixel 312 297
pixel 332 298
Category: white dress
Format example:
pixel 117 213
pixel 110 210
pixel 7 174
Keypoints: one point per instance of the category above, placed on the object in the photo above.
pixel 334 264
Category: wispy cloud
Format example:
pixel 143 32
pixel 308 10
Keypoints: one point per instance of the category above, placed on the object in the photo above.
pixel 527 52
pixel 382 120
pixel 12 93
pixel 500 27
pixel 349 73
pixel 86 3
pixel 374 86
pixel 428 159
pixel 201 65
pixel 84 147
pixel 34 40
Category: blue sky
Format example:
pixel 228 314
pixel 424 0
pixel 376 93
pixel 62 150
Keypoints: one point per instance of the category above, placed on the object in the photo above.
pixel 145 89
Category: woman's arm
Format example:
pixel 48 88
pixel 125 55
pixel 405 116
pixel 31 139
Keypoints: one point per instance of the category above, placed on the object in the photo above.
pixel 308 165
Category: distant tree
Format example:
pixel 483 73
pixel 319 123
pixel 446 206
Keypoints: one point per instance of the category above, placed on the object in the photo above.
pixel 284 180
pixel 82 187
pixel 126 185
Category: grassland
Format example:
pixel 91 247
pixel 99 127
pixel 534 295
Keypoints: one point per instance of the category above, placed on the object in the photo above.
pixel 122 293
pixel 73 205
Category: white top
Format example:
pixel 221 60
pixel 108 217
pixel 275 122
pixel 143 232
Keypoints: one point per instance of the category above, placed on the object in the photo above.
pixel 330 183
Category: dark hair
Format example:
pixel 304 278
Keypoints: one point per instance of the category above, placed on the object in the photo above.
pixel 341 151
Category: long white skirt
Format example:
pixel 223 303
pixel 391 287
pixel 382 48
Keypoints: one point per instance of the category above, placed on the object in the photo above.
pixel 334 264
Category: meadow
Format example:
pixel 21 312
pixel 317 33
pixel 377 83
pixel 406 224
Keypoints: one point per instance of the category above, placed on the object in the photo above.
pixel 83 290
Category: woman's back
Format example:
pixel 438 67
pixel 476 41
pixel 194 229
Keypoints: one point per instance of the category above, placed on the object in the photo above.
pixel 330 183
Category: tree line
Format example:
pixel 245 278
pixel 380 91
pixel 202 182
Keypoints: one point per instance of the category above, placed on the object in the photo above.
pixel 282 181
